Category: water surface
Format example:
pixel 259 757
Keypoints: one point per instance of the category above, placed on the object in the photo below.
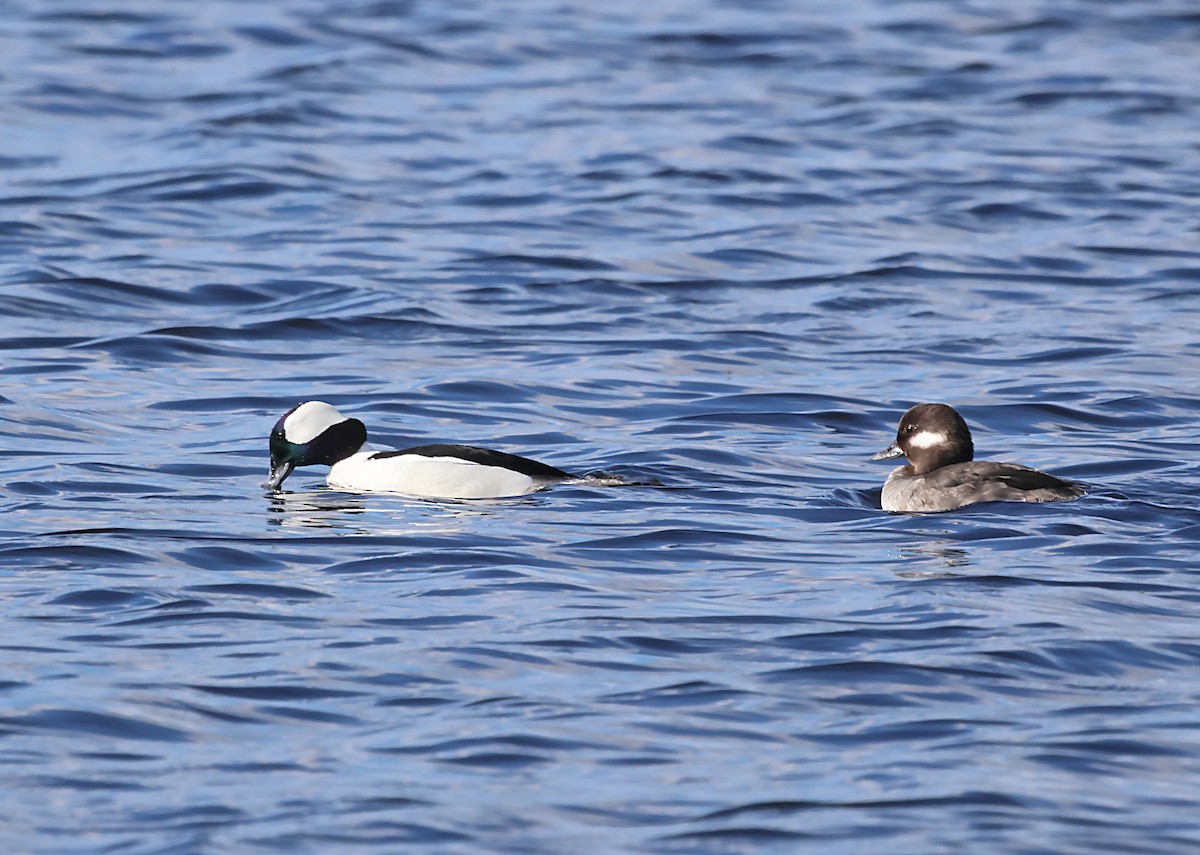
pixel 721 245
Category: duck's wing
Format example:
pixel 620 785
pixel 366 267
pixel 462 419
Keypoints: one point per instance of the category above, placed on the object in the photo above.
pixel 484 457
pixel 1037 486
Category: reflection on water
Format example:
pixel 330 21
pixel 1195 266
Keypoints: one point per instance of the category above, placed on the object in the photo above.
pixel 379 513
pixel 935 553
pixel 317 509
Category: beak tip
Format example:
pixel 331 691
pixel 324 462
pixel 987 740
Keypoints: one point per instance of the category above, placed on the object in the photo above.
pixel 277 476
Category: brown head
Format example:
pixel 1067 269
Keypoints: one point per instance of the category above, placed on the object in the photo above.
pixel 931 436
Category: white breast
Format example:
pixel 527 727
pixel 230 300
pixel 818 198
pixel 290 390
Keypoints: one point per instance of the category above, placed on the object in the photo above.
pixel 433 477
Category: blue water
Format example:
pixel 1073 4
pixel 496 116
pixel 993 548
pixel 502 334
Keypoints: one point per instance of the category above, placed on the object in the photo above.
pixel 722 245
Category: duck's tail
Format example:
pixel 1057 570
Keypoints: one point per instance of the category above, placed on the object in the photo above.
pixel 611 479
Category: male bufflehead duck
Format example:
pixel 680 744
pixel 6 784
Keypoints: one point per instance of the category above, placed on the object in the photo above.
pixel 316 433
pixel 942 474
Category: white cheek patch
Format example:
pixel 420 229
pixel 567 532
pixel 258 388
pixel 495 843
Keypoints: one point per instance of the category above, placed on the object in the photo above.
pixel 309 421
pixel 927 439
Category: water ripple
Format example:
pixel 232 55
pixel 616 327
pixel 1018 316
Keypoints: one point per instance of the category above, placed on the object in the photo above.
pixel 716 249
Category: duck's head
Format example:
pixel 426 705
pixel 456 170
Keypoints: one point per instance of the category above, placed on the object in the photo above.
pixel 309 434
pixel 931 436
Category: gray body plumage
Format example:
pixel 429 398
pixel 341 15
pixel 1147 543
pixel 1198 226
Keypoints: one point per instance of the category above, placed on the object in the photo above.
pixel 942 475
pixel 961 484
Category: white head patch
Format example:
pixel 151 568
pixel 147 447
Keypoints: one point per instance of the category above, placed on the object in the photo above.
pixel 309 420
pixel 925 439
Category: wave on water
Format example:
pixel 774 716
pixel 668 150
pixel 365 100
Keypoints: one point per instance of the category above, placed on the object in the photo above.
pixel 710 251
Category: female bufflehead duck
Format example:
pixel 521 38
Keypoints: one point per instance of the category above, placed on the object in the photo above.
pixel 316 433
pixel 942 474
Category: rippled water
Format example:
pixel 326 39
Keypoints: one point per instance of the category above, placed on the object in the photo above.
pixel 723 245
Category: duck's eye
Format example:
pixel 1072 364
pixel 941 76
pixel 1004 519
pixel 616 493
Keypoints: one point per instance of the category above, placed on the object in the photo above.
pixel 910 429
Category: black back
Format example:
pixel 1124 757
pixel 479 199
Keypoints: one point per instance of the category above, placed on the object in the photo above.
pixel 985 475
pixel 1023 478
pixel 485 457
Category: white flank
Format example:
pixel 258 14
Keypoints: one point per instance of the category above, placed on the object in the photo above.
pixel 928 439
pixel 310 420
pixel 431 477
